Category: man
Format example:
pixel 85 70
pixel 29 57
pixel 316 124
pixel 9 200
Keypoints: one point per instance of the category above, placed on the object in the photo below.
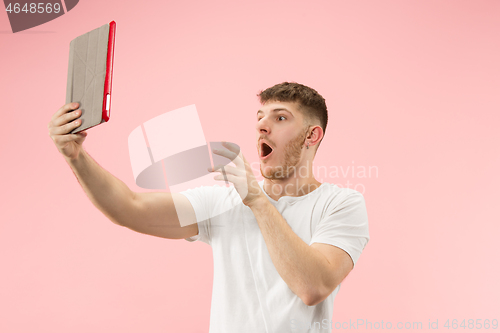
pixel 281 254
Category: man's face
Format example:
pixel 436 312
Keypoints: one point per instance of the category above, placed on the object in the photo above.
pixel 281 133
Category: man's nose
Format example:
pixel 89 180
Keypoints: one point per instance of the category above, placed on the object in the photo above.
pixel 263 126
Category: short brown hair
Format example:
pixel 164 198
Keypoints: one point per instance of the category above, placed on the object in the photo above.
pixel 311 103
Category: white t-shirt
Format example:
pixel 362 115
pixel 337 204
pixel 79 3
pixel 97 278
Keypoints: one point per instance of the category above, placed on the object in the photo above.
pixel 248 294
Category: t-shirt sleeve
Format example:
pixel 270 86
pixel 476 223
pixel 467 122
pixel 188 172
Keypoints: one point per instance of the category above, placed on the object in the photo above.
pixel 209 204
pixel 345 226
pixel 199 198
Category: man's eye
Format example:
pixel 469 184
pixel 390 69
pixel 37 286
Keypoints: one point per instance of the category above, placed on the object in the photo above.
pixel 281 117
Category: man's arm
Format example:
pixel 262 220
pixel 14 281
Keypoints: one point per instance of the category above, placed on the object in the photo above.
pixel 149 213
pixel 312 272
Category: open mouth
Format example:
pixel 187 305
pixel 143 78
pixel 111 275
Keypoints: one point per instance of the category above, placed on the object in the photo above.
pixel 265 150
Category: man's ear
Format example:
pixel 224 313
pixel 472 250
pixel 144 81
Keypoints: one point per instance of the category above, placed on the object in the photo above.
pixel 314 135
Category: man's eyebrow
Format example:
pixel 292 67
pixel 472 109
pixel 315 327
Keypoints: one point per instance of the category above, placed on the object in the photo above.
pixel 276 110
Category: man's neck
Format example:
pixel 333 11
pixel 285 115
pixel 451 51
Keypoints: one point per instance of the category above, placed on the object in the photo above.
pixel 294 186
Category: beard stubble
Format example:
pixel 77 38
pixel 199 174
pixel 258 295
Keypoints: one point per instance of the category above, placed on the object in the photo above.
pixel 292 157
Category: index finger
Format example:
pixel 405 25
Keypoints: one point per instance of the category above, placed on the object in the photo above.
pixel 64 109
pixel 232 147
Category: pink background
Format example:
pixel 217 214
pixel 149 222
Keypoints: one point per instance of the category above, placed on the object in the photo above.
pixel 412 89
